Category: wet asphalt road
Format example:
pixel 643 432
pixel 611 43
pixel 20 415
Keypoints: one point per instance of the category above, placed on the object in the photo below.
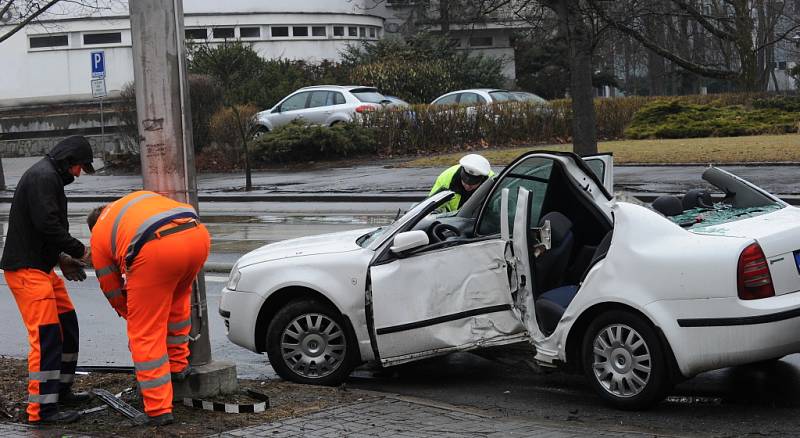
pixel 385 178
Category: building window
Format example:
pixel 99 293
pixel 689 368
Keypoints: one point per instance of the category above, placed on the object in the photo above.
pixel 196 34
pixel 102 38
pixel 318 31
pixel 352 31
pixel 372 32
pixel 481 41
pixel 250 32
pixel 280 31
pixel 782 65
pixel 362 31
pixel 222 32
pixel 300 31
pixel 338 30
pixel 455 42
pixel 48 41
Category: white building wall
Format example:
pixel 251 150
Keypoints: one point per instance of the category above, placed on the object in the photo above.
pixel 59 74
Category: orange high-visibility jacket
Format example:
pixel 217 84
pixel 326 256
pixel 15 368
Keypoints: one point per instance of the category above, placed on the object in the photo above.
pixel 122 229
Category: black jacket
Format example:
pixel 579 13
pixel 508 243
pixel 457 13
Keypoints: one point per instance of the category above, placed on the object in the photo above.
pixel 38 230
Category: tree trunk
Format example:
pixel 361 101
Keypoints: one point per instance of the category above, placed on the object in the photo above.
pixel 444 16
pixel 578 36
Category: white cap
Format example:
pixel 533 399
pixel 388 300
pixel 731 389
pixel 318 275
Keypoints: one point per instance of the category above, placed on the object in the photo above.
pixel 475 165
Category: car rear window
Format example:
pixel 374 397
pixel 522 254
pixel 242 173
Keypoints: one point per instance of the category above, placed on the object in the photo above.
pixel 369 95
pixel 501 96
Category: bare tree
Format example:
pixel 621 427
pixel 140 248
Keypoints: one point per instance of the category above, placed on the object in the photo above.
pixel 730 40
pixel 16 14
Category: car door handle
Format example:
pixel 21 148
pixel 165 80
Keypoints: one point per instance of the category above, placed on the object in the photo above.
pixel 496 265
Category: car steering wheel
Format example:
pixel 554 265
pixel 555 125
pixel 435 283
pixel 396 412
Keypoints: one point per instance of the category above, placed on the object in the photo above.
pixel 442 231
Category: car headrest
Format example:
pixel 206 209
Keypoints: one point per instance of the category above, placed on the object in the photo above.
pixel 697 198
pixel 560 226
pixel 668 205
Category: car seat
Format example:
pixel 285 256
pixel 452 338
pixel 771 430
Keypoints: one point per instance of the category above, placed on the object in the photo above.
pixel 668 205
pixel 552 265
pixel 551 305
pixel 697 198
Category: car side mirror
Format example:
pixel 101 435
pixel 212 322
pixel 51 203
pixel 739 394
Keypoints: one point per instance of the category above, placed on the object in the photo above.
pixel 409 240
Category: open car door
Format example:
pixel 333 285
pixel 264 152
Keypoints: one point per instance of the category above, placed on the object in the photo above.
pixel 524 300
pixel 603 166
pixel 428 302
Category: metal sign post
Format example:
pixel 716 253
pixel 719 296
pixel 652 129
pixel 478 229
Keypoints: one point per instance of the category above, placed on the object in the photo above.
pixel 98 61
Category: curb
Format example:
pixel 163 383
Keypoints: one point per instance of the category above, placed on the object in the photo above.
pixel 715 164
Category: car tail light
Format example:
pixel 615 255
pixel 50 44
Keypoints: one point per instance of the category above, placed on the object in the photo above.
pixel 752 276
pixel 365 108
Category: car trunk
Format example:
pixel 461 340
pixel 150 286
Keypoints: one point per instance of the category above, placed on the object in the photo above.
pixel 778 234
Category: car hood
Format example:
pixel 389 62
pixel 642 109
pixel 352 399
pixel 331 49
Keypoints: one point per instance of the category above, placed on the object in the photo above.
pixel 305 246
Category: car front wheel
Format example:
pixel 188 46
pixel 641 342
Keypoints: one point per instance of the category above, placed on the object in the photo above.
pixel 624 360
pixel 307 342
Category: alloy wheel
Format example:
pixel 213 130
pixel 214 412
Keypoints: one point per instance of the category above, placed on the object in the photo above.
pixel 622 362
pixel 313 345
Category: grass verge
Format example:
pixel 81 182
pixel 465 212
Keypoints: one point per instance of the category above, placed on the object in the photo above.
pixel 752 149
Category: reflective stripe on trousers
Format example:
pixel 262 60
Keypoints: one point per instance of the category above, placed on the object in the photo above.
pixel 52 327
pixel 159 292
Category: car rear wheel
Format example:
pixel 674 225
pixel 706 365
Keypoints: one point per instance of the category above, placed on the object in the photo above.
pixel 307 342
pixel 624 360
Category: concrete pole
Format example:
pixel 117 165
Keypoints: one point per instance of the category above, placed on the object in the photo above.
pixel 167 153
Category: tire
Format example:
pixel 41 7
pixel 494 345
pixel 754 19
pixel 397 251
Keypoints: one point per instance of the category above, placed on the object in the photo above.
pixel 308 342
pixel 630 368
pixel 257 132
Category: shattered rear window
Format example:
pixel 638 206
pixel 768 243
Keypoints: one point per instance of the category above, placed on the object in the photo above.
pixel 721 213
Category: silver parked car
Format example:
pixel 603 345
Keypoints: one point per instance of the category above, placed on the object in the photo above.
pixel 473 97
pixel 321 105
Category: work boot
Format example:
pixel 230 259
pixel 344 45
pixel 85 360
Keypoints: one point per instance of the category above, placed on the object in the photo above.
pixel 60 417
pixel 180 376
pixel 161 420
pixel 70 398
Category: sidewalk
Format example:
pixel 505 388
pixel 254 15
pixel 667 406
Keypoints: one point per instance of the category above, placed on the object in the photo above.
pixel 387 415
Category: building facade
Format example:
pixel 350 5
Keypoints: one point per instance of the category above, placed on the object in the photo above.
pixel 51 58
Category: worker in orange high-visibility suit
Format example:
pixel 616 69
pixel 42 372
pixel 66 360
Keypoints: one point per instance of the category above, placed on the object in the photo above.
pixel 38 238
pixel 147 250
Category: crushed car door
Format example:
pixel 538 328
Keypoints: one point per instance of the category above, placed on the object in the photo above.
pixel 523 300
pixel 449 299
pixel 603 166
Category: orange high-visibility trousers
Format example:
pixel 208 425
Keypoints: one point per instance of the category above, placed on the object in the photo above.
pixel 52 325
pixel 159 289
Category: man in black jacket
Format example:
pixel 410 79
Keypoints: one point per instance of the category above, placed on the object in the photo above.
pixel 38 238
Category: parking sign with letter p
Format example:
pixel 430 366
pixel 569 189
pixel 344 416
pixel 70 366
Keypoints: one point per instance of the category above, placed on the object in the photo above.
pixel 98 64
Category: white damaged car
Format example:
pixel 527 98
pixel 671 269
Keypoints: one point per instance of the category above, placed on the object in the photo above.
pixel 541 254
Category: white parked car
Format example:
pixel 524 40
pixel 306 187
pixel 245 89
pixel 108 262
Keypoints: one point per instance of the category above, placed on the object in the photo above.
pixel 321 105
pixel 543 253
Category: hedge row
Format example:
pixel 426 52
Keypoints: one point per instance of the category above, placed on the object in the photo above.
pixel 423 129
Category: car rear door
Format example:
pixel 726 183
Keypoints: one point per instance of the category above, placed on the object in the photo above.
pixel 319 108
pixel 447 299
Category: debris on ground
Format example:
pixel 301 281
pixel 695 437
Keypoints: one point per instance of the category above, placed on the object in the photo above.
pixel 285 399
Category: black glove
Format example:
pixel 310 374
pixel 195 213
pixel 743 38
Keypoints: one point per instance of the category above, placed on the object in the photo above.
pixel 71 268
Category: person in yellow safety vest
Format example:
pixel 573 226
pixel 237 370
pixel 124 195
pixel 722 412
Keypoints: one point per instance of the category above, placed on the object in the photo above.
pixel 463 178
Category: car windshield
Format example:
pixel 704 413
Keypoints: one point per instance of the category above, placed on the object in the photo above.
pixel 501 96
pixel 370 239
pixel 369 95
